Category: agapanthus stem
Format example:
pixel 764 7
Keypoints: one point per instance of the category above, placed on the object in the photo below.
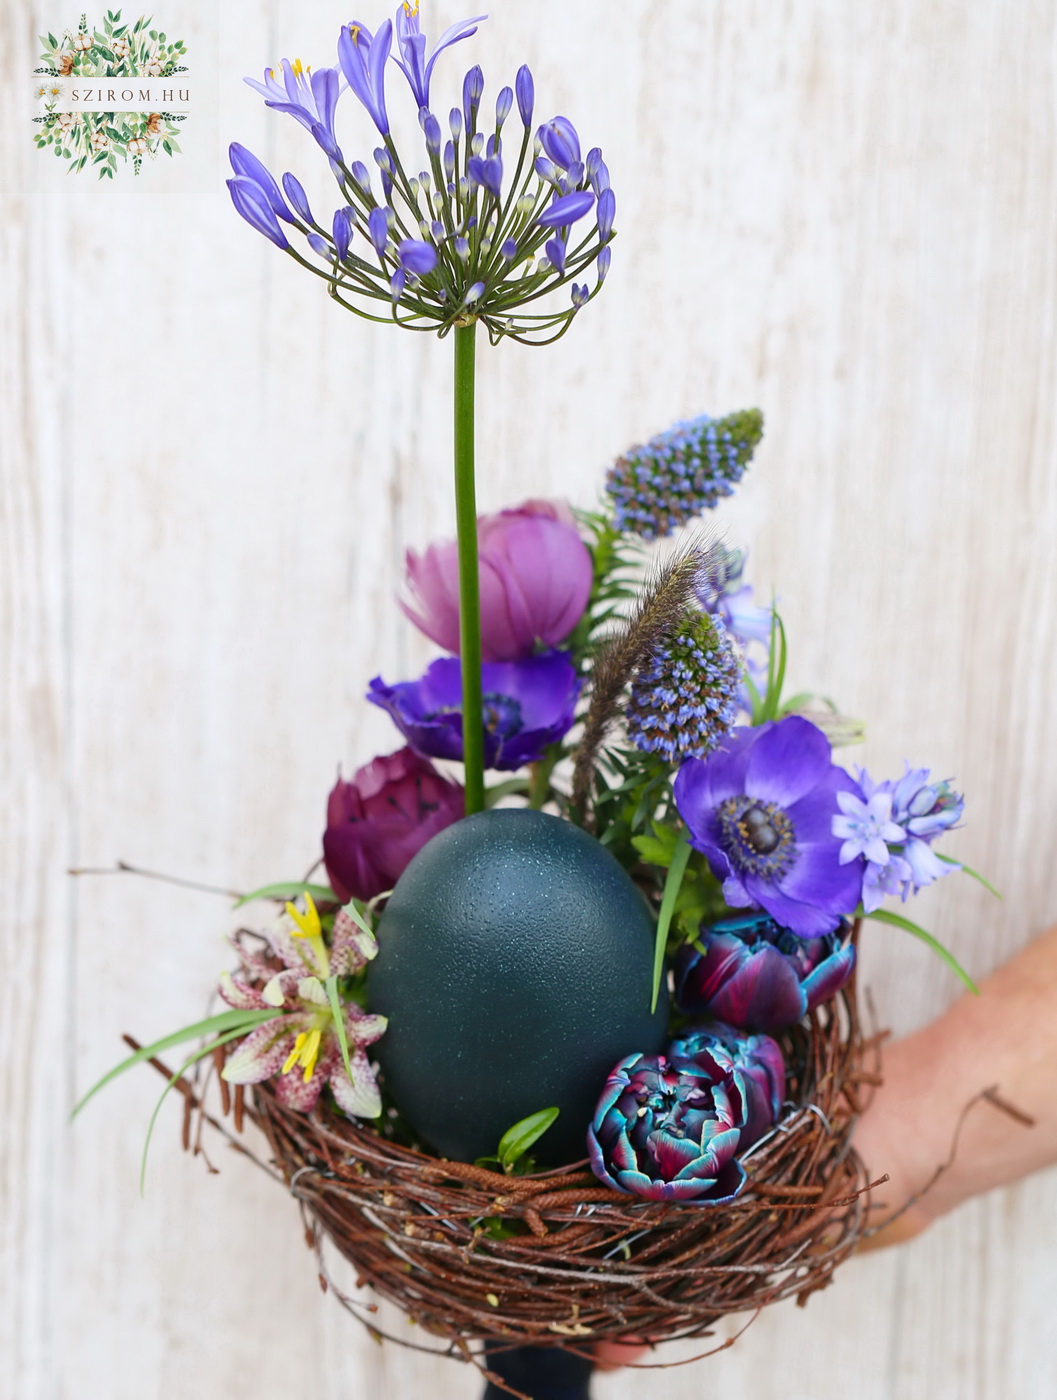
pixel 469 585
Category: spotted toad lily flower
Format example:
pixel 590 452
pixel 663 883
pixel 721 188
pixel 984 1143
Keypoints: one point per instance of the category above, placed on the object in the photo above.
pixel 482 232
pixel 527 706
pixel 754 975
pixel 761 809
pixel 892 825
pixel 301 1048
pixel 668 1132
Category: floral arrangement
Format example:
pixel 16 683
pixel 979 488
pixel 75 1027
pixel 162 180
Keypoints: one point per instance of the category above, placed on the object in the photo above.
pixel 634 949
pixel 116 50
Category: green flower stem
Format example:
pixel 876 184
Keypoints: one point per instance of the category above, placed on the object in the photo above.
pixel 469 582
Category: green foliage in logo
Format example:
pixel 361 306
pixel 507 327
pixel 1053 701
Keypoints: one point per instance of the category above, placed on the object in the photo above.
pixel 115 50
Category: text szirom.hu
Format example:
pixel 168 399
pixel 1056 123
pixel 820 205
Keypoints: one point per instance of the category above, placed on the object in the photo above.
pixel 126 95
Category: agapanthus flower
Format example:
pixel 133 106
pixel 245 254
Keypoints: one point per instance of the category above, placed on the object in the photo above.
pixel 535 580
pixel 467 230
pixel 527 706
pixel 893 824
pixel 382 818
pixel 761 809
pixel 669 1133
pixel 682 472
pixel 301 1048
pixel 683 700
pixel 753 1065
pixel 752 974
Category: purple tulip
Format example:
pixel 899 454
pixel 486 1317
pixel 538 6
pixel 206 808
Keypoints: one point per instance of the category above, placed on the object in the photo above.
pixel 383 817
pixel 669 1133
pixel 527 705
pixel 757 976
pixel 761 809
pixel 752 1067
pixel 535 576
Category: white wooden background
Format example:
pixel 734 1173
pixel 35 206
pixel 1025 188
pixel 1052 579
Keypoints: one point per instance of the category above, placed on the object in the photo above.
pixel 843 212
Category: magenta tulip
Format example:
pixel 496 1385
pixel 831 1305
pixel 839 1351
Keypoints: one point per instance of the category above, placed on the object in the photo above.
pixel 383 817
pixel 536 575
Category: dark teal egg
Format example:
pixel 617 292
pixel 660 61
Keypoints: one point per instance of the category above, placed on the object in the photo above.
pixel 515 964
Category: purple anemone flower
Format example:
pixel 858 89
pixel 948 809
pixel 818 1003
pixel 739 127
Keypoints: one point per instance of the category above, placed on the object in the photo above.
pixel 527 705
pixel 668 1133
pixel 761 809
pixel 362 56
pixel 756 976
pixel 411 43
pixel 753 1067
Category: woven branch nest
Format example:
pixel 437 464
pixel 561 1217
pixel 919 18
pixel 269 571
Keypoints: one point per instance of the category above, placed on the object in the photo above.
pixel 591 1263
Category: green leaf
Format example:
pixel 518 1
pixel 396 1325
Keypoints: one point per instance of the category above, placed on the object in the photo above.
pixel 198 1055
pixel 517 1140
pixel 672 884
pixel 289 889
pixel 512 787
pixel 337 1011
pixel 975 874
pixel 52 40
pixel 885 916
pixel 233 1020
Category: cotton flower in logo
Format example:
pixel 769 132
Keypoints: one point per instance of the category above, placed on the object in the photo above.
pixel 301 1048
pixel 99 141
pixel 121 47
pixel 137 146
pixel 83 42
pixel 65 61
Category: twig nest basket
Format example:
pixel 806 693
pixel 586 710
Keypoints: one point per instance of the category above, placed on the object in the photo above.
pixel 557 1259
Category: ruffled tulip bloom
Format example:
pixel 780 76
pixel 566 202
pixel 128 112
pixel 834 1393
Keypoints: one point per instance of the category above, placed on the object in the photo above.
pixel 761 809
pixel 383 817
pixel 668 1133
pixel 753 1067
pixel 757 976
pixel 527 705
pixel 535 574
pixel 300 1049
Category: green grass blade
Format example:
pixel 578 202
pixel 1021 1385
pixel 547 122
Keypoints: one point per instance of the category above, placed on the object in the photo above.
pixel 198 1055
pixel 885 916
pixel 356 917
pixel 338 1012
pixel 227 1020
pixel 975 874
pixel 779 681
pixel 517 1140
pixel 289 889
pixel 673 882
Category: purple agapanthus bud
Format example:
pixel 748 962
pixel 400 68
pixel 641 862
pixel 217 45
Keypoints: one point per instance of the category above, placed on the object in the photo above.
pixel 761 808
pixel 556 254
pixel 472 92
pixel 397 283
pixel 381 818
pixel 526 94
pixel 378 228
pixel 295 193
pixel 319 245
pixel 535 580
pixel 579 294
pixel 546 170
pixel 449 162
pixel 245 164
pixel 757 976
pixel 455 123
pixel 432 132
pixel 566 209
pixel 503 104
pixel 528 705
pixel 361 175
pixel 342 229
pixel 326 140
pixel 252 203
pixel 488 173
pixel 752 1067
pixel 509 249
pixel 667 1132
pixel 474 293
pixel 416 257
pixel 607 212
pixel 560 141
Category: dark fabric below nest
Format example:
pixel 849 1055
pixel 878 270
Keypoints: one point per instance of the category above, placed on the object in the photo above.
pixel 543 1373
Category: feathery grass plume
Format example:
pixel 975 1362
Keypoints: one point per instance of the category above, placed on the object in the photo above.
pixel 661 606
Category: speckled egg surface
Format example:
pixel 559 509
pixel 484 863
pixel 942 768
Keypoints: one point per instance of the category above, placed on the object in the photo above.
pixel 515 964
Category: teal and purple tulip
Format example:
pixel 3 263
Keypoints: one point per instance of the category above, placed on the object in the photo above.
pixel 751 1067
pixel 757 976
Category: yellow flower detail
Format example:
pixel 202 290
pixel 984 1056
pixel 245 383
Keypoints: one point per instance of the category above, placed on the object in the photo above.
pixel 304 1053
pixel 411 11
pixel 308 923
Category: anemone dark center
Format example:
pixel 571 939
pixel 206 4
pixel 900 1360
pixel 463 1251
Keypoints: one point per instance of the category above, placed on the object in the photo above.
pixel 758 837
pixel 502 714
